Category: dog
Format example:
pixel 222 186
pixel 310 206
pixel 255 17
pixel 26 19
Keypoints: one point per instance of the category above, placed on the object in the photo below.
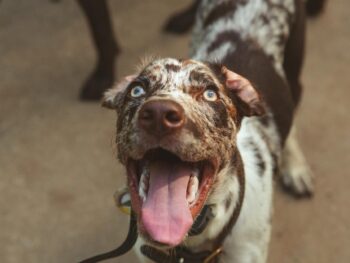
pixel 211 132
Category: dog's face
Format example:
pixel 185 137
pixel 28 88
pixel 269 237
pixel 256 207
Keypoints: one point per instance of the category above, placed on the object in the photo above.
pixel 176 128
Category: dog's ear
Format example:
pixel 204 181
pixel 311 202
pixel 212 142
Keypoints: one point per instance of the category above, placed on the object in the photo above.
pixel 247 98
pixel 112 97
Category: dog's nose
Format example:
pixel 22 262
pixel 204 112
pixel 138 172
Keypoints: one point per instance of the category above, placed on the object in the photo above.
pixel 161 117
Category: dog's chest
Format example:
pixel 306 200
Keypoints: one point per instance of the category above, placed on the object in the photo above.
pixel 222 25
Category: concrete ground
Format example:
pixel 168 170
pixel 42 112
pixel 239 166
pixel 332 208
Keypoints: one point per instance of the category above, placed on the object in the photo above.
pixel 58 169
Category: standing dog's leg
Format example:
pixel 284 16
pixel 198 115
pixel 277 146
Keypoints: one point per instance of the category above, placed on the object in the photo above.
pixel 294 53
pixel 102 77
pixel 295 172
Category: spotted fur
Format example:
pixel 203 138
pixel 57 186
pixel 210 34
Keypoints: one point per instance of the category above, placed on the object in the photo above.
pixel 184 83
pixel 248 36
pixel 210 131
pixel 265 23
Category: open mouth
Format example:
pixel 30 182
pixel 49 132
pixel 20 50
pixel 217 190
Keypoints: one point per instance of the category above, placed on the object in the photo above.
pixel 168 193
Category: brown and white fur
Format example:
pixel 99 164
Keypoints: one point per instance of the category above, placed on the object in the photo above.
pixel 261 41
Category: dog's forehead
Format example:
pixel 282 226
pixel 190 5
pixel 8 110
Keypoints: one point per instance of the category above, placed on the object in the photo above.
pixel 172 74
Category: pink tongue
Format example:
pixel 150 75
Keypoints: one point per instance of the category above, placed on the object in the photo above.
pixel 166 215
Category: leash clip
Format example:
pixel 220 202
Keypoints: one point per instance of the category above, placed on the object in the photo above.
pixel 123 201
pixel 215 253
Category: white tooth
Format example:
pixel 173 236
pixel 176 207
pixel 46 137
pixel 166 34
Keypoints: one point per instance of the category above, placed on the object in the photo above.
pixel 192 189
pixel 142 192
pixel 195 172
pixel 143 185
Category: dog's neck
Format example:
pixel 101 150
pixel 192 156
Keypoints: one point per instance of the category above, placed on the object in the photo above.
pixel 225 202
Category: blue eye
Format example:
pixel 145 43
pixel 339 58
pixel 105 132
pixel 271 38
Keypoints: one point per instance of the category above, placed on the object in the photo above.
pixel 210 95
pixel 137 91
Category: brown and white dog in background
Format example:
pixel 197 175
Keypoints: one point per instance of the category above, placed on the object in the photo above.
pixel 215 129
pixel 107 46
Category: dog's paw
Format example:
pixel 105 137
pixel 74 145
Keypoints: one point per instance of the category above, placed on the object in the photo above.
pixel 298 179
pixel 296 175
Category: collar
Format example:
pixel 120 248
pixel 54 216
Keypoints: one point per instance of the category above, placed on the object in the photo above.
pixel 180 255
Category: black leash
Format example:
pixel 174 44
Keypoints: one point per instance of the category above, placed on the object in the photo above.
pixel 123 248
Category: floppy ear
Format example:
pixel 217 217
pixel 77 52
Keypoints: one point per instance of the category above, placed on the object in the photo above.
pixel 249 100
pixel 111 98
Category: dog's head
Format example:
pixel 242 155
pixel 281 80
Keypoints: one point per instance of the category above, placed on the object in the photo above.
pixel 176 128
